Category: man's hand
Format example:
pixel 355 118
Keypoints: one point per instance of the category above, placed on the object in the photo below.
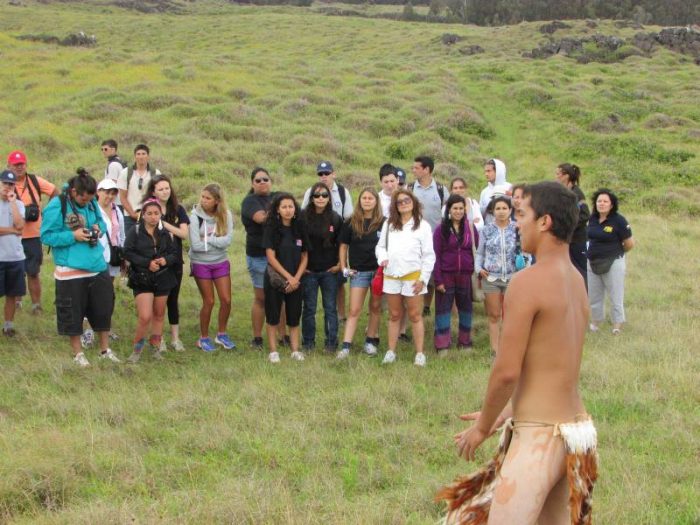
pixel 469 440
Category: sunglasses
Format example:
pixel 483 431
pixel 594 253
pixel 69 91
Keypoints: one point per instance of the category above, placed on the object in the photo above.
pixel 140 183
pixel 401 202
pixel 323 174
pixel 105 149
pixel 261 180
pixel 323 195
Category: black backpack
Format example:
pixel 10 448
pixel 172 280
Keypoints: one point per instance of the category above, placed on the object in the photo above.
pixel 116 158
pixel 440 190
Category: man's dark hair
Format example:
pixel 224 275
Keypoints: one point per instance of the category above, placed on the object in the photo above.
pixel 386 169
pixel 426 162
pixel 110 143
pixel 613 202
pixel 142 147
pixel 557 201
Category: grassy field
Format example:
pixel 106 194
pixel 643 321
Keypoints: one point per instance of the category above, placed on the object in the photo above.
pixel 226 438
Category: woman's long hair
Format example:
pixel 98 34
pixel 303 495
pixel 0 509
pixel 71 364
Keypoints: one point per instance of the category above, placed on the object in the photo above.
pixel 446 225
pixel 357 220
pixel 274 222
pixel 572 171
pixel 395 216
pixel 319 223
pixel 220 214
pixel 170 214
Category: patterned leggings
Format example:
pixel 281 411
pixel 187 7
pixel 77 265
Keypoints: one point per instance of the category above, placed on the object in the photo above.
pixel 458 290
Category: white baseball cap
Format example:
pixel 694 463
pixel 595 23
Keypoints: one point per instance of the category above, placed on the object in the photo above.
pixel 107 184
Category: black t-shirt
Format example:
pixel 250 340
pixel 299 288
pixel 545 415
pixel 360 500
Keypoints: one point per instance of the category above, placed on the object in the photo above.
pixel 361 247
pixel 251 205
pixel 181 218
pixel 323 257
pixel 605 238
pixel 584 214
pixel 288 247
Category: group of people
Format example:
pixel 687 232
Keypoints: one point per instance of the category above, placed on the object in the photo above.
pixel 403 245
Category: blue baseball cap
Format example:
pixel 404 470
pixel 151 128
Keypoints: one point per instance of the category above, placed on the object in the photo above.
pixel 8 176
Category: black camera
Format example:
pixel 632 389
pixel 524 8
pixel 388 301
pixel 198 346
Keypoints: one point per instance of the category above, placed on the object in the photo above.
pixel 94 235
pixel 31 212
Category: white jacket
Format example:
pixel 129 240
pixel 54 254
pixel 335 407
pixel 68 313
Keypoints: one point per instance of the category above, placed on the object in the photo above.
pixel 409 250
pixel 500 184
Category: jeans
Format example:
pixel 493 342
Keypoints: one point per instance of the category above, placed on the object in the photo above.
pixel 328 282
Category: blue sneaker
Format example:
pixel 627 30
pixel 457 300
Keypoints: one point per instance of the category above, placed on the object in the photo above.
pixel 205 344
pixel 225 341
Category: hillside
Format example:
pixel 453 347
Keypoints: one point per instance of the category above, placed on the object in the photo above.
pixel 216 89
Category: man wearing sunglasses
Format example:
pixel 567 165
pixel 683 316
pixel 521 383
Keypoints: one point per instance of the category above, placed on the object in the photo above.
pixel 133 184
pixel 342 205
pixel 29 188
pixel 115 164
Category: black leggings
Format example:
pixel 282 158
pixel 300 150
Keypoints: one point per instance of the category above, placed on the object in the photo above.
pixel 173 296
pixel 577 253
pixel 274 301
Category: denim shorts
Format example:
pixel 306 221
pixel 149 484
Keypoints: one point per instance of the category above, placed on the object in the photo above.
pixel 361 279
pixel 256 269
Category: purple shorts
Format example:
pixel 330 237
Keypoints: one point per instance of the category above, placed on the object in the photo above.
pixel 211 271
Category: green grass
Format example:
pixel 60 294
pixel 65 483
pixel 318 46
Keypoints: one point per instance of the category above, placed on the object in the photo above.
pixel 227 438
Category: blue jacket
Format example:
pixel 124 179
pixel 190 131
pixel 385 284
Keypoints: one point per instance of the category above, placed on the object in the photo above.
pixel 56 233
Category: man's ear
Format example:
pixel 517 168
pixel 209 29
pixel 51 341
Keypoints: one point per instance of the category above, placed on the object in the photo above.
pixel 545 223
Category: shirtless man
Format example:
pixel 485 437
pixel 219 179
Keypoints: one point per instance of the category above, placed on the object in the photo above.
pixel 537 369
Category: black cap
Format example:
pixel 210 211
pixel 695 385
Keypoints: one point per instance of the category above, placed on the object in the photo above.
pixel 401 175
pixel 324 167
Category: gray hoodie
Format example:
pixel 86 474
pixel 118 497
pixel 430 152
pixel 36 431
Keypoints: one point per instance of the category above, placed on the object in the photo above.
pixel 205 246
pixel 499 185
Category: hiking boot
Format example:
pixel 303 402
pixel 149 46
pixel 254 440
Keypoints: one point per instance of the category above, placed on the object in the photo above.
pixel 370 349
pixel 420 359
pixel 87 338
pixel 343 354
pixel 205 344
pixel 225 341
pixel 177 345
pixel 134 358
pixel 157 354
pixel 389 357
pixel 81 360
pixel 162 346
pixel 297 356
pixel 108 354
pixel 274 357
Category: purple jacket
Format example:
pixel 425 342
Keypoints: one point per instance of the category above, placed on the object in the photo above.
pixel 450 256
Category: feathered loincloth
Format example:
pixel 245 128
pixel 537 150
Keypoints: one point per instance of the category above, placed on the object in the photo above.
pixel 469 497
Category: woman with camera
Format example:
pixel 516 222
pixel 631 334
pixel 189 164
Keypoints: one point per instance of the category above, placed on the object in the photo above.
pixel 152 253
pixel 71 226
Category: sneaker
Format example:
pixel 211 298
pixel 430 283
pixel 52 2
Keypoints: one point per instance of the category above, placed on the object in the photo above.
pixel 370 349
pixel 18 304
pixel 205 344
pixel 274 357
pixel 404 338
pixel 389 357
pixel 9 332
pixel 593 327
pixel 256 343
pixel 426 310
pixel 162 346
pixel 134 358
pixel 343 354
pixel 81 360
pixel 420 359
pixel 297 356
pixel 285 342
pixel 178 346
pixel 225 341
pixel 616 331
pixel 87 338
pixel 113 336
pixel 158 355
pixel 108 354
pixel 37 309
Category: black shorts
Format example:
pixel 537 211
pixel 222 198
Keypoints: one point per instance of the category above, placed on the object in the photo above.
pixel 91 297
pixel 12 283
pixel 34 252
pixel 275 300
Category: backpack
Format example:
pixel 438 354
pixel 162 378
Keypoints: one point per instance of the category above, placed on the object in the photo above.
pixel 64 205
pixel 116 158
pixel 440 190
pixel 341 191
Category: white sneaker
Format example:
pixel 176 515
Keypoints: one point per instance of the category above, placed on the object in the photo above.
pixel 87 338
pixel 297 356
pixel 592 327
pixel 419 360
pixel 370 349
pixel 110 355
pixel 274 357
pixel 163 346
pixel 178 346
pixel 81 360
pixel 389 357
pixel 343 354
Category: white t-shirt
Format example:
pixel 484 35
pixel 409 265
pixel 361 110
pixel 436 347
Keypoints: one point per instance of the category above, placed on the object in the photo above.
pixel 133 194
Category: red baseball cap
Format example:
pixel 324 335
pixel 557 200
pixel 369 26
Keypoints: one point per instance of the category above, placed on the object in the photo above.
pixel 16 157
